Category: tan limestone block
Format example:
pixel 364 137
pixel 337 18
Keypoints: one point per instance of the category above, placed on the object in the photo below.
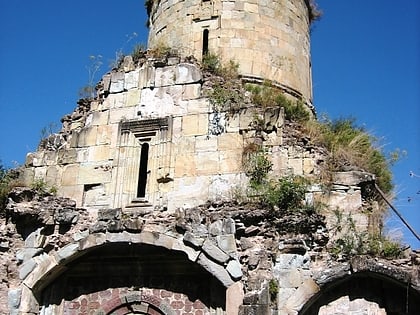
pixel 147 76
pixel 302 295
pixel 206 143
pixel 28 176
pixel 200 105
pixel 308 166
pixel 195 125
pixel 95 105
pixel 185 165
pixel 117 100
pixel 118 114
pixel 230 141
pixel 184 145
pixel 87 137
pixel 234 298
pixel 230 161
pixel 100 118
pixel 165 76
pixel 53 176
pixel 131 80
pixel 93 174
pixel 280 162
pixel 104 134
pixel 296 165
pixel 74 192
pixel 207 163
pixel 50 158
pixel 70 174
pixel 99 153
pixel 345 201
pixel 133 97
pixel 40 173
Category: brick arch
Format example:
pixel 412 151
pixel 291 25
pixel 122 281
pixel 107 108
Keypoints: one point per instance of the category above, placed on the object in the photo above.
pixel 48 268
pixel 136 303
pixel 393 293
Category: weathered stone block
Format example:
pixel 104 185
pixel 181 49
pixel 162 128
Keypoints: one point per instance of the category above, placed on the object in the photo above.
pixel 117 82
pixel 214 252
pixel 14 297
pixel 94 173
pixel 207 163
pixel 66 252
pixel 26 268
pixel 215 269
pixel 165 76
pixel 234 269
pixel 230 141
pixel 227 243
pixel 133 97
pixel 191 91
pixel 99 153
pixel 302 295
pixel 131 80
pixel 187 73
pixel 195 125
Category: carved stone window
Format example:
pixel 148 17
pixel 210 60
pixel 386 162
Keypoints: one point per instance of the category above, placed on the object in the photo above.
pixel 143 157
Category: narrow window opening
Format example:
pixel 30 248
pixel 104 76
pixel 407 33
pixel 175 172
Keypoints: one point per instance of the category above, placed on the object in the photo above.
pixel 205 42
pixel 144 156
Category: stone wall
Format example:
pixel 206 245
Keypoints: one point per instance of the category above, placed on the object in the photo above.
pixel 268 39
pixel 195 152
pixel 219 258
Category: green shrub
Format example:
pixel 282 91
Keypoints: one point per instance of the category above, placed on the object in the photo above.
pixel 350 241
pixel 256 165
pixel 273 289
pixel 211 62
pixel 287 193
pixel 39 185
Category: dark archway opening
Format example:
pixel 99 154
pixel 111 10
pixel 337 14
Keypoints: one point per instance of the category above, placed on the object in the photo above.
pixel 135 266
pixel 395 297
pixel 142 181
pixel 205 42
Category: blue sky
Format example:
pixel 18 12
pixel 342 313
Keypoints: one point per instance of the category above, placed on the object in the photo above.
pixel 365 57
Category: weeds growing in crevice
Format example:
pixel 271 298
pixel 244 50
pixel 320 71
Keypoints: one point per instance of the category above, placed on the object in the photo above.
pixel 349 241
pixel 266 96
pixel 351 146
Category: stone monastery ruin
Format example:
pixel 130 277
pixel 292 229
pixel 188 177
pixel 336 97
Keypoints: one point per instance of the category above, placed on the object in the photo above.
pixel 154 208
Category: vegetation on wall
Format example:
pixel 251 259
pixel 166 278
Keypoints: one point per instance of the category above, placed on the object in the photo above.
pixel 285 193
pixel 266 96
pixel 8 180
pixel 349 241
pixel 351 146
pixel 225 91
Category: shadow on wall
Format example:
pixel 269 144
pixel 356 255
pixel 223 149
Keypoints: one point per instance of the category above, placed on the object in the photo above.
pixel 135 266
pixel 395 297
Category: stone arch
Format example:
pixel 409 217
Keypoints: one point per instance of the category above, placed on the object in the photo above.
pixel 394 294
pixel 136 303
pixel 47 269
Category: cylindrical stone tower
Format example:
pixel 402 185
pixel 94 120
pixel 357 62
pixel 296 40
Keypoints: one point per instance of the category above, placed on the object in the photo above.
pixel 269 39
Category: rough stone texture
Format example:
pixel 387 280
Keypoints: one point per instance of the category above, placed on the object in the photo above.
pixel 153 212
pixel 260 37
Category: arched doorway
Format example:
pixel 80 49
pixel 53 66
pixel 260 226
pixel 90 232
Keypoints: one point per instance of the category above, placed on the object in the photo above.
pixel 396 297
pixel 127 278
